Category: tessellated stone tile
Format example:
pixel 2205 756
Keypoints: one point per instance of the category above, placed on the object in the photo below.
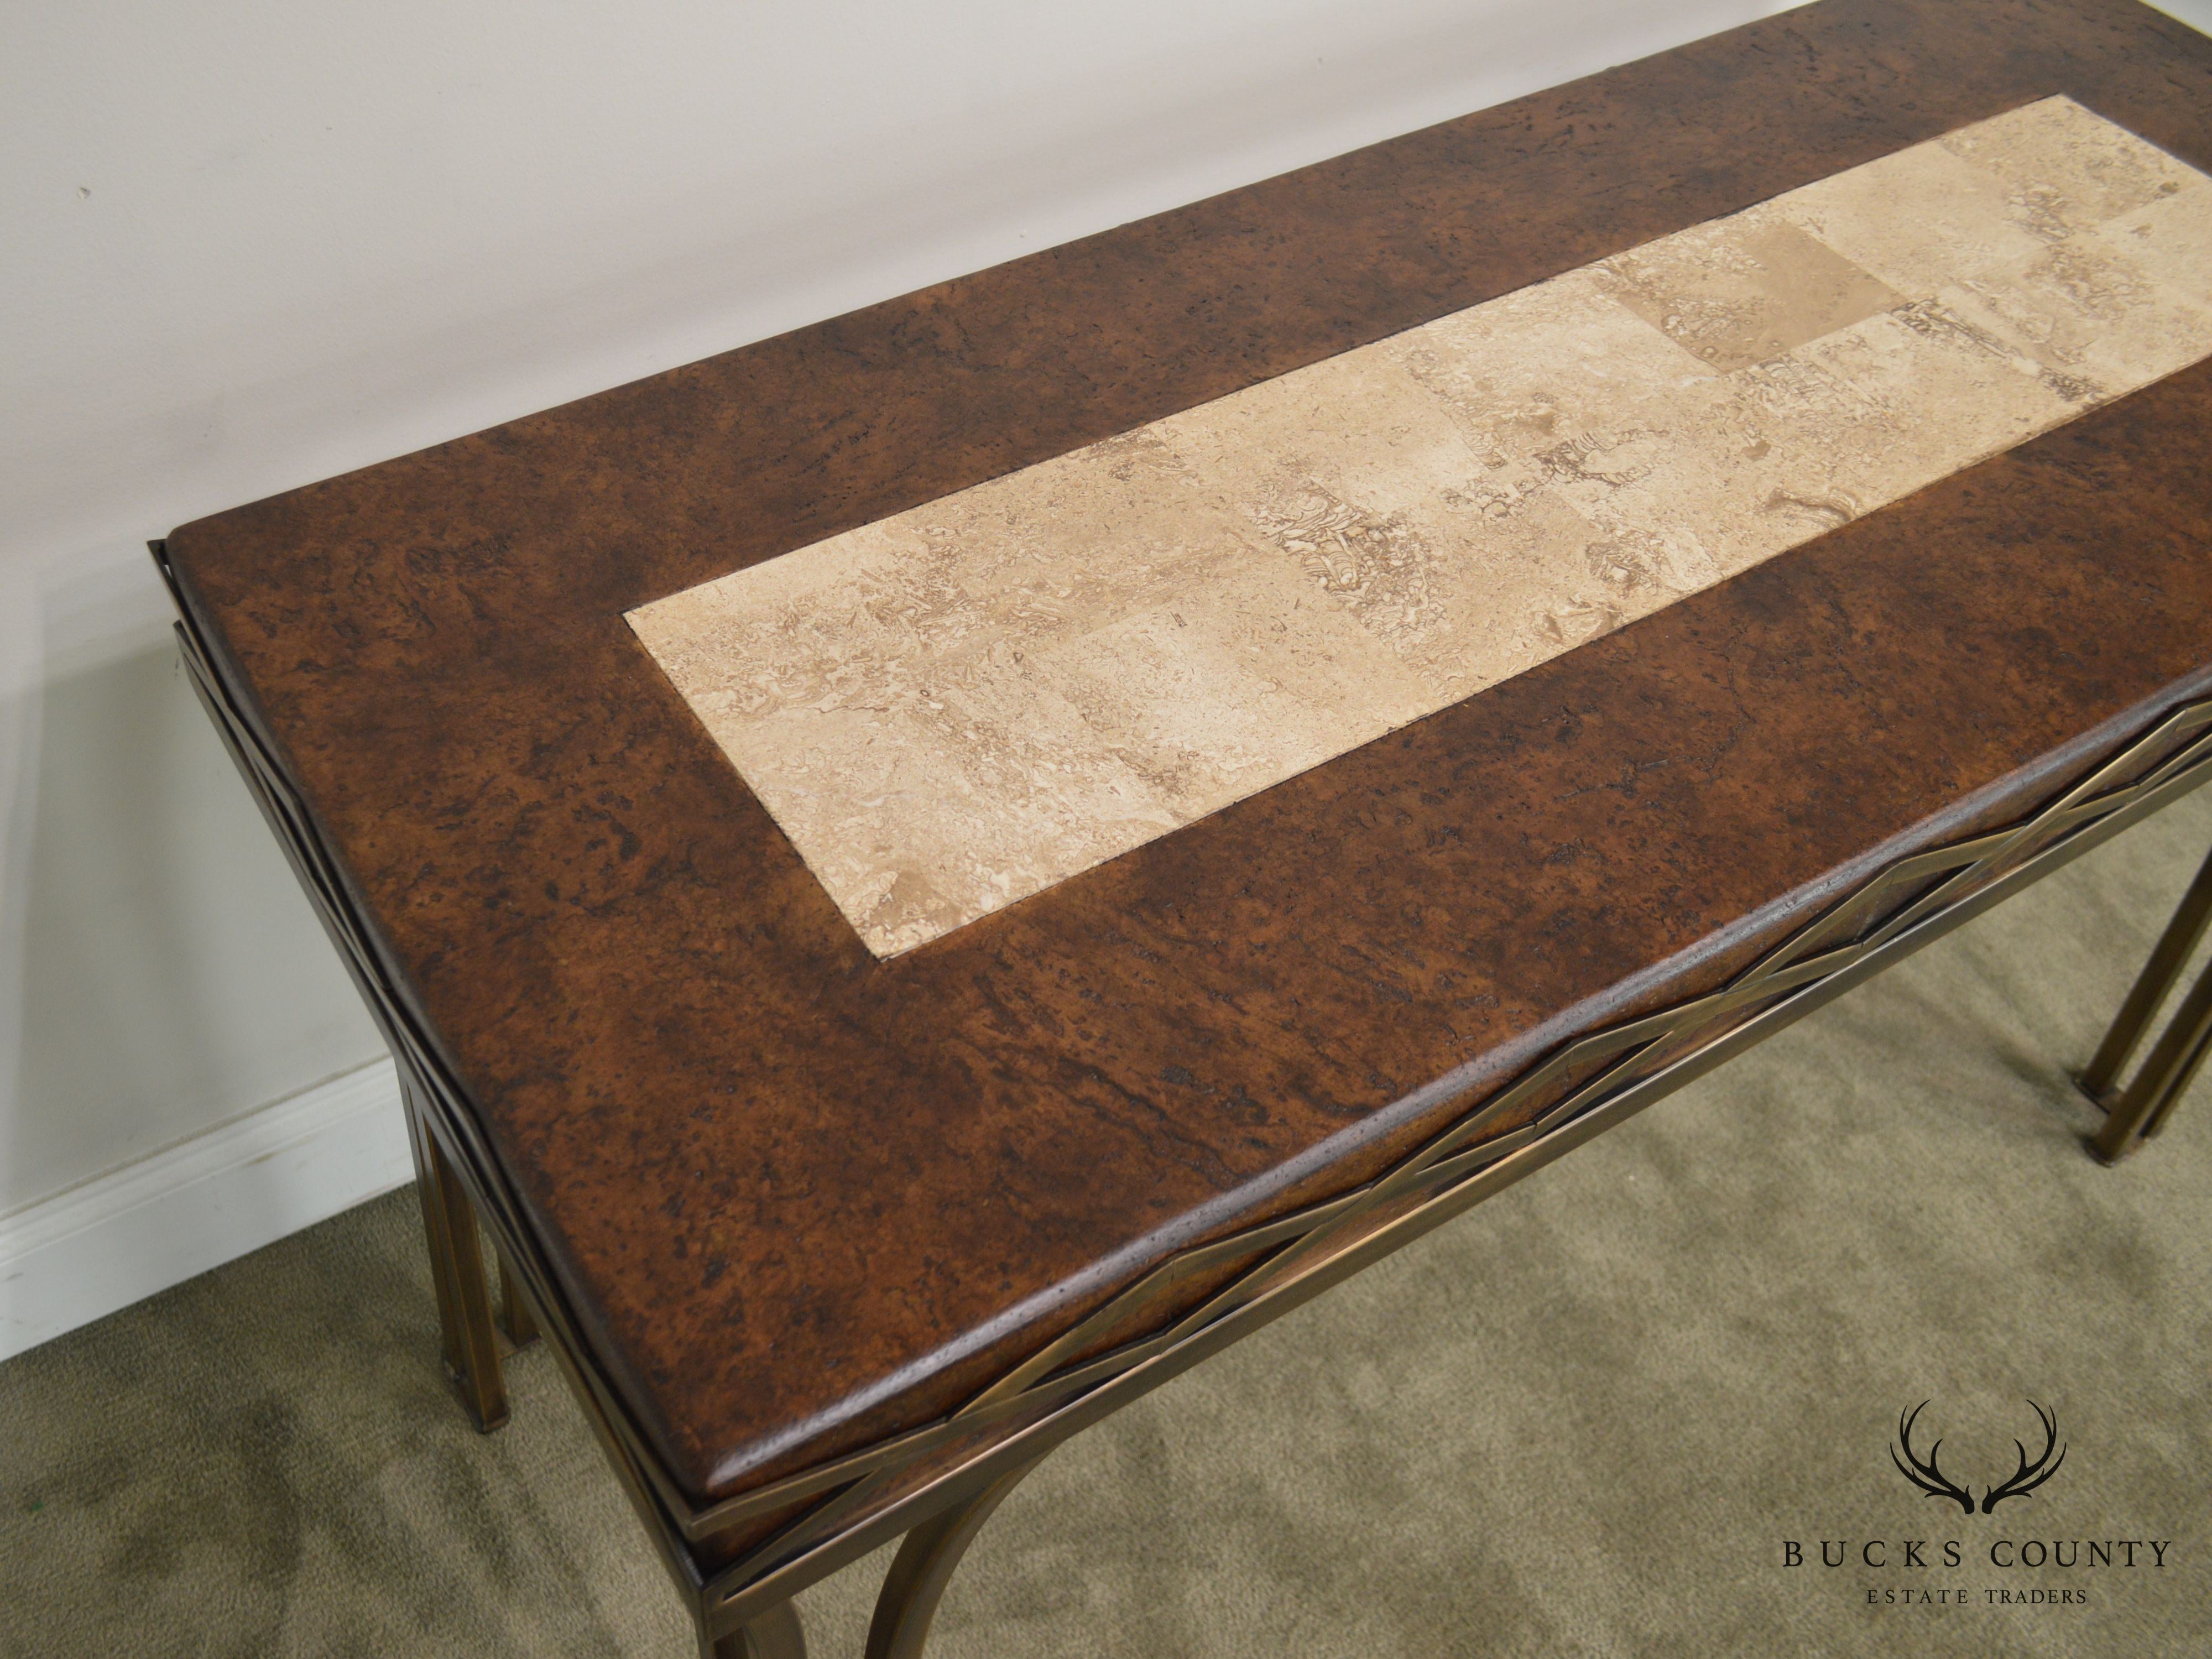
pixel 958 706
pixel 1746 288
pixel 1352 477
pixel 2067 166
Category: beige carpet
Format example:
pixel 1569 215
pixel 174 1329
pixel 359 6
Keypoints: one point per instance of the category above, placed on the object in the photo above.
pixel 1580 1420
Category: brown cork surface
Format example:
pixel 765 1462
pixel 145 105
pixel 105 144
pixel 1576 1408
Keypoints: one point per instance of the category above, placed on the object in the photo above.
pixel 955 707
pixel 800 1195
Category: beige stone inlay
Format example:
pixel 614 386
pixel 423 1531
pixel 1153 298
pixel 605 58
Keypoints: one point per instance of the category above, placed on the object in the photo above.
pixel 952 709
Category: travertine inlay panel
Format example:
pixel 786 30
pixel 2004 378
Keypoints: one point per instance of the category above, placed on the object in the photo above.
pixel 954 708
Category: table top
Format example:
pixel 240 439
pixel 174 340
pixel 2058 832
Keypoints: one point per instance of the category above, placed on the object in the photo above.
pixel 802 1196
pixel 965 703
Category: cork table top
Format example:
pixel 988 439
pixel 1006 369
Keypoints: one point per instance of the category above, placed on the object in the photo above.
pixel 955 707
pixel 812 1164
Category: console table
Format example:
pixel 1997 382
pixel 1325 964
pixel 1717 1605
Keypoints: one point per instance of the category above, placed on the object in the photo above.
pixel 924 875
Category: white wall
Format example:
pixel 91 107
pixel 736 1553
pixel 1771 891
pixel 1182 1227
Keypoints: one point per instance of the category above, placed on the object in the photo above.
pixel 248 244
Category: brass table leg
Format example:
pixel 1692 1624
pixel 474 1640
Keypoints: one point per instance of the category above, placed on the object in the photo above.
pixel 457 1271
pixel 776 1634
pixel 514 1315
pixel 2134 1113
pixel 924 1566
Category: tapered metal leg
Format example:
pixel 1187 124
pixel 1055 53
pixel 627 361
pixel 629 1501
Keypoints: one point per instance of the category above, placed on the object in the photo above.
pixel 2158 977
pixel 924 1566
pixel 2142 1107
pixel 776 1634
pixel 2134 1113
pixel 514 1315
pixel 470 1350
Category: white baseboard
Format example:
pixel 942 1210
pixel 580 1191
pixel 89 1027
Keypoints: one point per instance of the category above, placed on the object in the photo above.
pixel 100 1246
